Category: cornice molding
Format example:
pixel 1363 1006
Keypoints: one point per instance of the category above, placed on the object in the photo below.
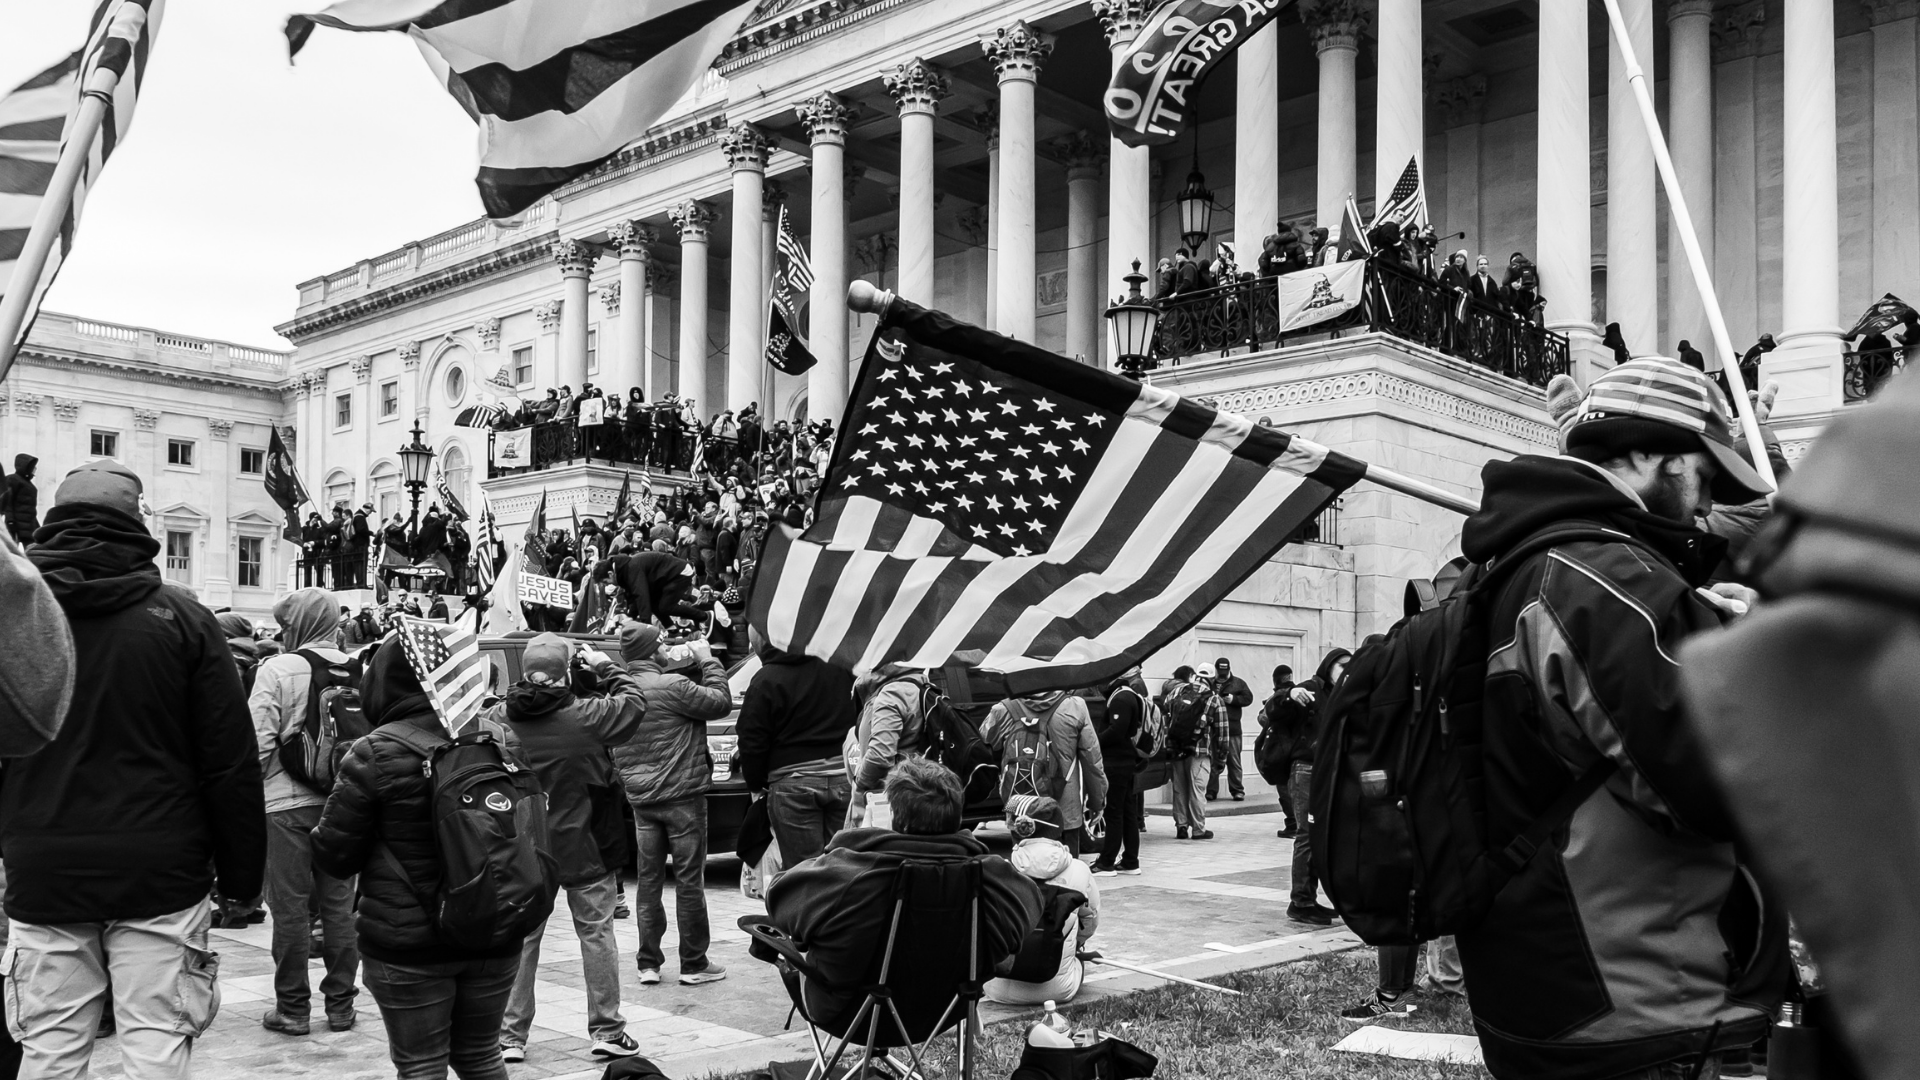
pixel 700 134
pixel 531 250
pixel 39 356
pixel 791 29
pixel 1384 386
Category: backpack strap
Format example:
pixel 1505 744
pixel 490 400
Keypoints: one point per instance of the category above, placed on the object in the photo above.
pixel 1517 854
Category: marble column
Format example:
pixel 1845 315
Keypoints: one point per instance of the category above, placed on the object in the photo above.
pixel 1633 251
pixel 1736 264
pixel 1896 148
pixel 662 374
pixel 1563 189
pixel 825 118
pixel 576 259
pixel 629 367
pixel 1016 53
pixel 990 119
pixel 1400 106
pixel 694 220
pixel 1256 141
pixel 746 149
pixel 1690 137
pixel 1129 170
pixel 917 88
pixel 1082 155
pixel 1462 102
pixel 1808 360
pixel 1336 26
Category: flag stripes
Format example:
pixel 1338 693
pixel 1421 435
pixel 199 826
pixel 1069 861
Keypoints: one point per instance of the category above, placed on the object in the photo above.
pixel 1407 205
pixel 446 658
pixel 799 270
pixel 486 546
pixel 31 119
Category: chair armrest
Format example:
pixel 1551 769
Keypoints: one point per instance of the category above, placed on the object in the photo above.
pixel 774 946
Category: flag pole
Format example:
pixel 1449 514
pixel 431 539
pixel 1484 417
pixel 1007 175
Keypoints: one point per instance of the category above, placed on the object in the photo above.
pixel 1696 259
pixel 21 291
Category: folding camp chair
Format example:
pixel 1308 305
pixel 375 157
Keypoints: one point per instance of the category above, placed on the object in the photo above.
pixel 922 980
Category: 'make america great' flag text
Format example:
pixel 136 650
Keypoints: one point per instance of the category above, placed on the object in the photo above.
pixel 996 506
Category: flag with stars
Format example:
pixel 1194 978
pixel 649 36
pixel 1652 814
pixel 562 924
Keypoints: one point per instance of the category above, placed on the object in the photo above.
pixel 447 660
pixel 1407 205
pixel 995 506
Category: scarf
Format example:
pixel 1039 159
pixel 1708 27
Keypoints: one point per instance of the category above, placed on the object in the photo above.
pixel 95 559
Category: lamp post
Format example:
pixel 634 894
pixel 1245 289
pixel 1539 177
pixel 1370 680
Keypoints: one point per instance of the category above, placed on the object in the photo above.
pixel 1133 319
pixel 1196 209
pixel 416 459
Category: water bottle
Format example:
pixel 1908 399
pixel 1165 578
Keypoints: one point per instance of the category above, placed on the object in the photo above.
pixel 1793 1050
pixel 1052 1030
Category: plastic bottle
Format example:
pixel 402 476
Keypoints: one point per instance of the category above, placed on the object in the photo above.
pixel 1052 1030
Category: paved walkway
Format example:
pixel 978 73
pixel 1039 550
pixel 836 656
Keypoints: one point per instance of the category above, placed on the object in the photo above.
pixel 1201 908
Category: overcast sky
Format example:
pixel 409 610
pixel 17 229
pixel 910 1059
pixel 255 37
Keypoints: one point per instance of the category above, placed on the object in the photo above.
pixel 244 176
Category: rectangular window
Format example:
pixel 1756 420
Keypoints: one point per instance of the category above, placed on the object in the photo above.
pixel 342 411
pixel 593 351
pixel 253 462
pixel 180 453
pixel 389 399
pixel 389 505
pixel 247 569
pixel 104 444
pixel 180 557
pixel 523 366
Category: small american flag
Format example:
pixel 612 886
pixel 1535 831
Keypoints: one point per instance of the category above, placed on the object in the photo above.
pixel 446 657
pixel 996 506
pixel 1407 206
pixel 487 553
pixel 798 274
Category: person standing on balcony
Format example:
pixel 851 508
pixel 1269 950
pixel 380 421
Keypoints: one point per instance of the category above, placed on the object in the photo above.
pixel 1455 275
pixel 666 431
pixel 359 542
pixel 1481 284
pixel 564 410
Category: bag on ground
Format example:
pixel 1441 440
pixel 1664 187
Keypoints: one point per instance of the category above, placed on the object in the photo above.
pixel 311 752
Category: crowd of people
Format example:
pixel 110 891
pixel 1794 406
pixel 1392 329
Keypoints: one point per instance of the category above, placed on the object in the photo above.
pixel 670 434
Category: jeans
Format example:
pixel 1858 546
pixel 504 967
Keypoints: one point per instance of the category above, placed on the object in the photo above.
pixel 443 1014
pixel 679 828
pixel 1397 964
pixel 292 883
pixel 162 978
pixel 1299 789
pixel 1228 760
pixel 1188 779
pixel 1123 835
pixel 592 906
pixel 1443 966
pixel 805 812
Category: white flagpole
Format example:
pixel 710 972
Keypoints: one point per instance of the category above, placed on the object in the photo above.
pixel 53 210
pixel 1677 206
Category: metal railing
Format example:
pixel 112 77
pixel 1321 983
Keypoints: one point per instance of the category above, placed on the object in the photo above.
pixel 1865 372
pixel 564 442
pixel 1397 301
pixel 1322 528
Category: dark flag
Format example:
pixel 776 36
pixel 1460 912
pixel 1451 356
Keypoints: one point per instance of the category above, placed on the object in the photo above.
pixel 1886 313
pixel 1353 233
pixel 785 349
pixel 533 546
pixel 283 485
pixel 621 500
pixel 996 506
pixel 458 512
pixel 1156 81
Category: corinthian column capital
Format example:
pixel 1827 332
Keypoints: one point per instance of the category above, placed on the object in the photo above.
pixel 694 220
pixel 576 257
pixel 1334 24
pixel 746 148
pixel 916 86
pixel 1122 20
pixel 825 117
pixel 1017 51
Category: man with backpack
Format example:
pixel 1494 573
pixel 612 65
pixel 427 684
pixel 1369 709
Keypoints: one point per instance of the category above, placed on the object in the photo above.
pixel 1273 747
pixel 565 738
pixel 1128 716
pixel 1234 695
pixel 891 727
pixel 1193 710
pixel 1047 748
pixel 287 690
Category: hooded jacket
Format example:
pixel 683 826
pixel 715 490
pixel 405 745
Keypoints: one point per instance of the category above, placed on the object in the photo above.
pixel 1303 723
pixel 1081 773
pixel 281 686
pixel 892 725
pixel 666 759
pixel 1046 861
pixel 20 499
pixel 151 790
pixel 1605 955
pixel 1125 712
pixel 797 709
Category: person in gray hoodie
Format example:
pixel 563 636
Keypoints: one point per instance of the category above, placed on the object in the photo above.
pixel 892 726
pixel 309 629
pixel 1080 774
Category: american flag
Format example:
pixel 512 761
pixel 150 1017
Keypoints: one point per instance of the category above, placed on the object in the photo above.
pixel 797 276
pixel 557 86
pixel 32 134
pixel 447 659
pixel 487 552
pixel 1407 206
pixel 997 506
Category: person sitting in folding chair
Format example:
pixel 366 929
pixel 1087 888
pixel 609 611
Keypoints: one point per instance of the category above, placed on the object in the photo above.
pixel 885 940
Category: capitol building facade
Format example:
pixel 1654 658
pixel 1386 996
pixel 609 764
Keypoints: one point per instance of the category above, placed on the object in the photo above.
pixel 957 154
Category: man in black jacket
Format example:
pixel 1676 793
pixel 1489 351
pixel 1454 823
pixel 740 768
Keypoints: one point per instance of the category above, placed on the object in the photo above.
pixel 795 716
pixel 20 500
pixel 1302 728
pixel 565 739
pixel 115 833
pixel 359 541
pixel 1237 695
pixel 1126 711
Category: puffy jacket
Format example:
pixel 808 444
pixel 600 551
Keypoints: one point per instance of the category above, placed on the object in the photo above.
pixel 20 500
pixel 891 727
pixel 797 709
pixel 666 758
pixel 380 813
pixel 1235 694
pixel 1608 952
pixel 565 738
pixel 1076 750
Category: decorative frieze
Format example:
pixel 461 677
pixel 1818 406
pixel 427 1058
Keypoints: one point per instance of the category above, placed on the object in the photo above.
pixel 220 428
pixel 488 331
pixel 145 419
pixel 548 315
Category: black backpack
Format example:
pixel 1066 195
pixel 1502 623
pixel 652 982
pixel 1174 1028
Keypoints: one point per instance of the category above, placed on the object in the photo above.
pixel 1039 957
pixel 1398 810
pixel 1186 719
pixel 497 876
pixel 312 752
pixel 953 739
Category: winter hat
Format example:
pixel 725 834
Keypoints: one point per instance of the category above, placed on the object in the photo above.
pixel 36 684
pixel 102 483
pixel 639 642
pixel 234 625
pixel 1662 406
pixel 544 663
pixel 1035 817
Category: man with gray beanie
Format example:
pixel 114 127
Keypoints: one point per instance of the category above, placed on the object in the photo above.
pixel 115 834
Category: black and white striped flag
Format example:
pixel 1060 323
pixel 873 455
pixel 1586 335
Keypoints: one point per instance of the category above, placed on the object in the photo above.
pixel 999 507
pixel 33 123
pixel 557 86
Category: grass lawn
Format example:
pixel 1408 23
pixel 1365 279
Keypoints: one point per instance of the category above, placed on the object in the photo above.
pixel 1285 1025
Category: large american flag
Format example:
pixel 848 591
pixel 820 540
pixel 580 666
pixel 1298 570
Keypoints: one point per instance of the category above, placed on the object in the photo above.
pixel 557 86
pixel 447 659
pixel 1406 206
pixel 996 506
pixel 33 133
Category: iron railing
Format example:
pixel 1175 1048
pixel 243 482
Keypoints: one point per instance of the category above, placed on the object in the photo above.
pixel 564 442
pixel 1321 528
pixel 1866 371
pixel 1397 301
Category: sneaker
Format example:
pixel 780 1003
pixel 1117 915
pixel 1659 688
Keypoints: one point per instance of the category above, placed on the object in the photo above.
pixel 511 1054
pixel 1129 871
pixel 1287 833
pixel 342 1021
pixel 622 911
pixel 1240 798
pixel 1180 832
pixel 621 1045
pixel 649 976
pixel 711 973
pixel 1104 869
pixel 1377 1006
pixel 281 1024
pixel 1314 914
pixel 1203 834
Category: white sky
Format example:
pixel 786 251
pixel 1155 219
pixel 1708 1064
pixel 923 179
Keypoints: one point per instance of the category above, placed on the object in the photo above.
pixel 244 176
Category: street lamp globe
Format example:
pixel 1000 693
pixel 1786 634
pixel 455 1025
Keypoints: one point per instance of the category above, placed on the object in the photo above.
pixel 1133 319
pixel 416 459
pixel 1196 210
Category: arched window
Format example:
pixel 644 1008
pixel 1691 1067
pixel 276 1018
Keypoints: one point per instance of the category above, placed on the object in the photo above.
pixel 385 485
pixel 459 474
pixel 339 492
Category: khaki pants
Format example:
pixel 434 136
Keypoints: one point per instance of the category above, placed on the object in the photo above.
pixel 1189 781
pixel 165 992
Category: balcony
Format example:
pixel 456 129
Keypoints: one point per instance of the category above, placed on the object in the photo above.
pixel 1863 373
pixel 1398 301
pixel 558 443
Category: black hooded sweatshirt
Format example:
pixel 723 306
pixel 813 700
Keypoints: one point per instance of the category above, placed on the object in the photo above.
pixel 19 499
pixel 797 709
pixel 152 786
